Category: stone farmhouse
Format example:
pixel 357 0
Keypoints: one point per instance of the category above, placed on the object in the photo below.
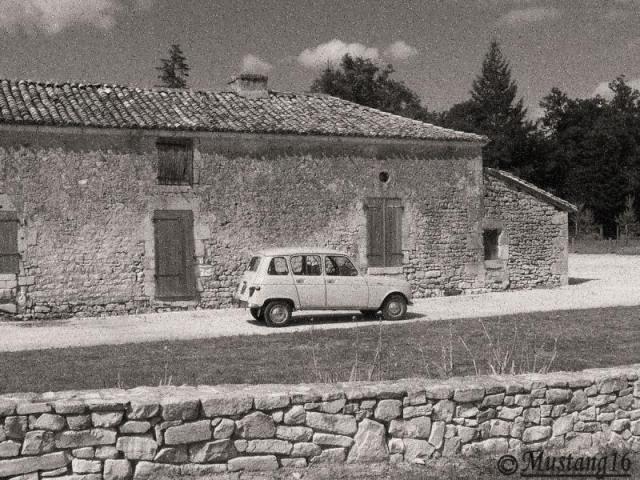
pixel 116 199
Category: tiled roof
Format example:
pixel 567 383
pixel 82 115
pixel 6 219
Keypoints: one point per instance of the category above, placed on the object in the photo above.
pixel 511 179
pixel 113 106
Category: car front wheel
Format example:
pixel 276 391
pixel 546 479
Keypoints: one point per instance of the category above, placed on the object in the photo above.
pixel 257 313
pixel 277 313
pixel 394 308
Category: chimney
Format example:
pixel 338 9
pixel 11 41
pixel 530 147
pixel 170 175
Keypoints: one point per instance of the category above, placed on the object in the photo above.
pixel 250 85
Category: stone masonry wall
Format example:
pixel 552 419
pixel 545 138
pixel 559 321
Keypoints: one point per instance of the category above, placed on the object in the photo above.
pixel 534 239
pixel 85 200
pixel 171 432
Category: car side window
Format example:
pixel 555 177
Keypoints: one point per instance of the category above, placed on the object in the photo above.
pixel 306 265
pixel 340 266
pixel 278 266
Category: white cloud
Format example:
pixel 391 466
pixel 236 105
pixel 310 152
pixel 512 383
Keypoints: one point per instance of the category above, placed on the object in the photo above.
pixel 400 50
pixel 604 91
pixel 333 51
pixel 53 16
pixel 253 64
pixel 529 15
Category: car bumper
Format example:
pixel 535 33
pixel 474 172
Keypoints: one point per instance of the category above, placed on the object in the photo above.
pixel 244 303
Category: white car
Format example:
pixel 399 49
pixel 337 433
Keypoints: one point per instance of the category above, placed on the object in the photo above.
pixel 279 281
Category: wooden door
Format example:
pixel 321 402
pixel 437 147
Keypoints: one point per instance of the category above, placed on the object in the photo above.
pixel 173 231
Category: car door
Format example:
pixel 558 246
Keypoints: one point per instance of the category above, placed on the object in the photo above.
pixel 309 280
pixel 346 288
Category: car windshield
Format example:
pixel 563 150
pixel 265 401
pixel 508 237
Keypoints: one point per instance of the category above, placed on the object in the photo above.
pixel 253 264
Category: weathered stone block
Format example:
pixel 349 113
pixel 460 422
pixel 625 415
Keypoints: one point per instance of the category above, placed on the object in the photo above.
pixel 387 410
pixel 468 395
pixel 49 421
pixel 305 449
pixel 271 401
pixel 293 462
pixel 417 411
pixel 180 409
pixel 491 447
pixel 19 466
pixel 279 447
pixel 137 448
pixel 417 450
pixel 443 410
pixel 332 423
pixel 79 465
pixel 160 471
pixel 331 456
pixel 139 410
pixel 172 455
pixel 370 444
pixel 294 434
pixel 558 395
pixel 37 442
pixel 226 406
pixel 252 464
pixel 212 452
pixel 84 452
pixel 85 438
pixel 135 427
pixel 536 434
pixel 106 419
pixel 331 440
pixel 117 470
pixel 79 422
pixel 419 427
pixel 562 425
pixel 28 408
pixel 9 448
pixel 16 427
pixel 296 415
pixel 188 433
pixel 224 429
pixel 256 425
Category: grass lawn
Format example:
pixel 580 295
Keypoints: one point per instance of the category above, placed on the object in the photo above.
pixel 563 340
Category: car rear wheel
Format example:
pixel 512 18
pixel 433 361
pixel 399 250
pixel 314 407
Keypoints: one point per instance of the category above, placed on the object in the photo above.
pixel 257 313
pixel 394 308
pixel 277 313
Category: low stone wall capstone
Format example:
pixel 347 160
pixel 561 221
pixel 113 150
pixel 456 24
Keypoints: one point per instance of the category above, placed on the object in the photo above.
pixel 171 432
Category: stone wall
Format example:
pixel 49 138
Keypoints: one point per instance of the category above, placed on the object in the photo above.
pixel 85 200
pixel 533 240
pixel 149 433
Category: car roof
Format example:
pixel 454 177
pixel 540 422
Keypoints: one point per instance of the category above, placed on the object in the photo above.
pixel 274 252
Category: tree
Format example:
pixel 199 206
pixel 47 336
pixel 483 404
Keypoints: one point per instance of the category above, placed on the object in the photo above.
pixel 174 70
pixel 361 81
pixel 494 111
pixel 594 150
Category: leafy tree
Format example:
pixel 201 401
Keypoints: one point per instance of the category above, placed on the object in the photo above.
pixel 494 111
pixel 594 150
pixel 361 81
pixel 174 70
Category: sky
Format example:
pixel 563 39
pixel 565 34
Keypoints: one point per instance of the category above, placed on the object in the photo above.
pixel 435 46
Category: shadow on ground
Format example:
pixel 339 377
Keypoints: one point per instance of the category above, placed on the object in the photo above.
pixel 578 281
pixel 334 318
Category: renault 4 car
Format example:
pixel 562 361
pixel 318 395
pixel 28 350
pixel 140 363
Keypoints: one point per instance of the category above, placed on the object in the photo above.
pixel 279 281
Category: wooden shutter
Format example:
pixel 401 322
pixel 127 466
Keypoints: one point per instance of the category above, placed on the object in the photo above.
pixel 375 232
pixel 173 230
pixel 393 232
pixel 9 256
pixel 175 163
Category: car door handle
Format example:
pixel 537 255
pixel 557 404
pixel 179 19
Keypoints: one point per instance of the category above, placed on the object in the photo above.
pixel 300 280
pixel 331 281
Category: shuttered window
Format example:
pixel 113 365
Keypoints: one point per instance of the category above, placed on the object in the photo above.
pixel 384 232
pixel 9 256
pixel 175 162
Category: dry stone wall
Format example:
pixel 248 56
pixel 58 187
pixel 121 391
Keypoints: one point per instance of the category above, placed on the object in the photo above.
pixel 171 432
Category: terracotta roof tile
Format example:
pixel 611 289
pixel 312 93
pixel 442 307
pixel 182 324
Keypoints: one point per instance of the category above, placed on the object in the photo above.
pixel 115 106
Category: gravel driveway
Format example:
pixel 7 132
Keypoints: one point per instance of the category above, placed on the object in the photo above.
pixel 596 281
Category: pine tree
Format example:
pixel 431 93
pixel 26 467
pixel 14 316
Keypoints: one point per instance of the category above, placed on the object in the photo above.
pixel 494 111
pixel 174 70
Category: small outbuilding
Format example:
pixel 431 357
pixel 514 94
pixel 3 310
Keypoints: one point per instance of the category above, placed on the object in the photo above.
pixel 116 199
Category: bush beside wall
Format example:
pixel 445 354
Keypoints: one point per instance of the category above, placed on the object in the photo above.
pixel 167 432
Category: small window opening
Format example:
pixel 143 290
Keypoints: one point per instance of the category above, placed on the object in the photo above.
pixel 175 162
pixel 490 240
